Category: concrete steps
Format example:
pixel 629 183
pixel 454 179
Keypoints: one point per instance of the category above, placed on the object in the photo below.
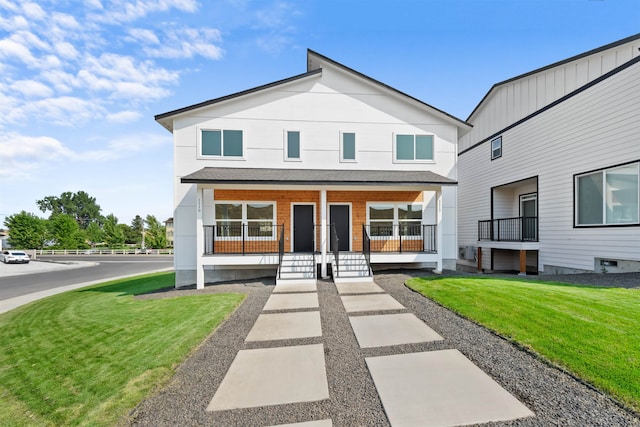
pixel 297 267
pixel 352 267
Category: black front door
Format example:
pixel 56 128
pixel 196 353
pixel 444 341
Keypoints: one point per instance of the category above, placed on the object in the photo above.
pixel 339 216
pixel 303 228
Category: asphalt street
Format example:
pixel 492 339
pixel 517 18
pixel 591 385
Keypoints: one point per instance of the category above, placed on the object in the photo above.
pixel 41 275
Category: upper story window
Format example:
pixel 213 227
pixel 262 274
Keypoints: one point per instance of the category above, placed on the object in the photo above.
pixel 413 148
pixel 347 147
pixel 292 145
pixel 496 148
pixel 608 196
pixel 221 143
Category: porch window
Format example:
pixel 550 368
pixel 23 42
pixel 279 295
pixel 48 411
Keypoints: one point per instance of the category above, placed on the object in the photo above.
pixel 256 219
pixel 413 147
pixel 221 143
pixel 496 148
pixel 348 147
pixel 293 145
pixel 389 220
pixel 609 196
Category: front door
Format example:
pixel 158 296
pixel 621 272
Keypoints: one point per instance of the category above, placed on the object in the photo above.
pixel 303 228
pixel 529 212
pixel 339 217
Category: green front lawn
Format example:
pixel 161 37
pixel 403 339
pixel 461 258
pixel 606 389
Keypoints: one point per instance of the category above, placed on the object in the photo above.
pixel 592 332
pixel 87 357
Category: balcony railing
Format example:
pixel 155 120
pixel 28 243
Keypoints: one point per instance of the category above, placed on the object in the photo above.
pixel 242 239
pixel 402 237
pixel 520 229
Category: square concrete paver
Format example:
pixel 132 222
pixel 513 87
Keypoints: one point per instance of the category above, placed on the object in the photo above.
pixel 283 326
pixel 391 329
pixel 273 376
pixel 376 302
pixel 295 287
pixel 291 301
pixel 358 288
pixel 440 388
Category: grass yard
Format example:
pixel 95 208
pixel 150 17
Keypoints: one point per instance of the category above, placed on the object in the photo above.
pixel 89 356
pixel 592 332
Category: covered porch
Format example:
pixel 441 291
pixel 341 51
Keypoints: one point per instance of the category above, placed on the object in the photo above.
pixel 256 217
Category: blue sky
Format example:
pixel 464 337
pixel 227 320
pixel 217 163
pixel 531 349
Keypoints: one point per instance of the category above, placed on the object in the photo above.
pixel 80 81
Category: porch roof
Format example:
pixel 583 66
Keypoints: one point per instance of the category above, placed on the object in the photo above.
pixel 212 175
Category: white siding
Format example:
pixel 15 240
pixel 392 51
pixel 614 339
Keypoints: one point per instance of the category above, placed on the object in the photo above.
pixel 597 128
pixel 503 107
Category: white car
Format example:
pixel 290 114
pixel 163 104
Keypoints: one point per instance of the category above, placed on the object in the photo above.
pixel 15 257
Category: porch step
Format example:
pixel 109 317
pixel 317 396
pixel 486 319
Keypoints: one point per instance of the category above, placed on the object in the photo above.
pixel 353 268
pixel 297 267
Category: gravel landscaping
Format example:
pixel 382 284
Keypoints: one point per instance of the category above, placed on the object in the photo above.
pixel 554 396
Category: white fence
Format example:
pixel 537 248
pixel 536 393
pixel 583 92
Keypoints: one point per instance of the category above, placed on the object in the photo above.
pixel 103 251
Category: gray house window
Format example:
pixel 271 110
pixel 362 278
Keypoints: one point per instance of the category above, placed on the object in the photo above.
pixel 414 147
pixel 221 143
pixel 496 148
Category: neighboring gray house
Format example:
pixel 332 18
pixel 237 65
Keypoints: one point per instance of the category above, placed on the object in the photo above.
pixel 549 175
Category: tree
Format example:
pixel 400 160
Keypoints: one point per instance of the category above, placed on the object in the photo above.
pixel 95 234
pixel 26 230
pixel 65 232
pixel 82 207
pixel 113 235
pixel 137 227
pixel 156 237
pixel 131 237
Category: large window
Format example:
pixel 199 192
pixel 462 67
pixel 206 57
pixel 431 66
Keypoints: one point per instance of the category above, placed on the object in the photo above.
pixel 249 219
pixel 395 219
pixel 413 147
pixel 292 145
pixel 221 143
pixel 348 147
pixel 608 196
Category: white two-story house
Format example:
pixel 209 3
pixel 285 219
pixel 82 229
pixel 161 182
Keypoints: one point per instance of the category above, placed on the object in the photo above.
pixel 549 174
pixel 329 170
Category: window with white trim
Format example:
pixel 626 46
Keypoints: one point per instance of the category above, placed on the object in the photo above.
pixel 408 148
pixel 221 143
pixel 251 219
pixel 347 147
pixel 608 196
pixel 292 145
pixel 394 219
pixel 496 148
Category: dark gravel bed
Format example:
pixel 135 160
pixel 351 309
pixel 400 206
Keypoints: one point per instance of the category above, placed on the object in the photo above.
pixel 556 398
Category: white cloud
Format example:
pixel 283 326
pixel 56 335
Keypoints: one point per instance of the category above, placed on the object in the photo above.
pixel 126 145
pixel 122 11
pixel 33 11
pixel 61 111
pixel 9 49
pixel 32 88
pixel 124 116
pixel 189 42
pixel 21 154
pixel 144 36
pixel 66 50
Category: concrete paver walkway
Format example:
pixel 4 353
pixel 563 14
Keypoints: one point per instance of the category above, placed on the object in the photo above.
pixel 436 388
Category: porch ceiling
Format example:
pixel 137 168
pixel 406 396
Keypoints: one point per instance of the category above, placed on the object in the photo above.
pixel 299 177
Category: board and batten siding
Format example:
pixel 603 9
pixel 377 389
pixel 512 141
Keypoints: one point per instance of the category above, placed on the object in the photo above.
pixel 597 128
pixel 515 99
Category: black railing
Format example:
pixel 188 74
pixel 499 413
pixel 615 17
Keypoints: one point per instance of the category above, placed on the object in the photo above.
pixel 520 229
pixel 280 250
pixel 334 248
pixel 366 246
pixel 402 237
pixel 242 238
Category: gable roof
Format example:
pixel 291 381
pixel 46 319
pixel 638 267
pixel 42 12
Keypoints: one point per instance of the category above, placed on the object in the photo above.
pixel 314 68
pixel 264 176
pixel 555 64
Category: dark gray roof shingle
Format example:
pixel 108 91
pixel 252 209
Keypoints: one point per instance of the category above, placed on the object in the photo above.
pixel 211 175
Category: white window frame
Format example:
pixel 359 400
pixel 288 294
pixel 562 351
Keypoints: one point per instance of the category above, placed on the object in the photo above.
pixel 221 156
pixel 355 148
pixel 395 146
pixel 245 221
pixel 604 172
pixel 494 149
pixel 396 220
pixel 286 145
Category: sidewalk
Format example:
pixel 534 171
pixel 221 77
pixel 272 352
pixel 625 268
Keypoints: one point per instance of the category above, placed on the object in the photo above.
pixel 361 355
